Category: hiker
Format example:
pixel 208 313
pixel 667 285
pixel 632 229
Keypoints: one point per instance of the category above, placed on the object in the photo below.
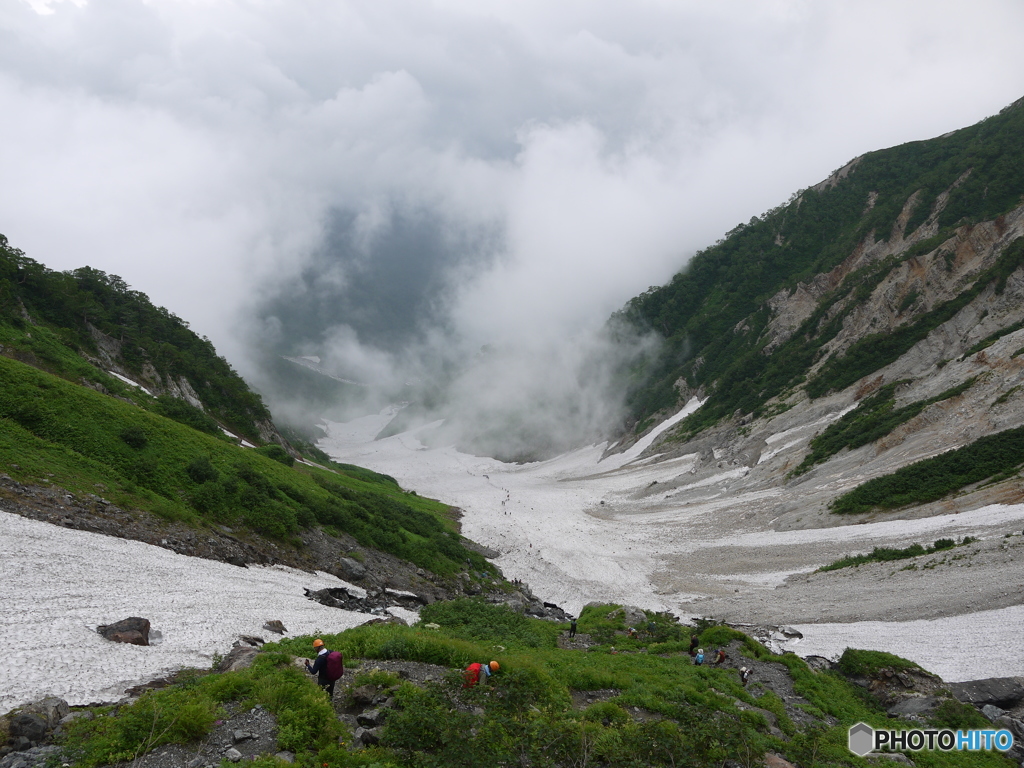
pixel 631 632
pixel 329 666
pixel 720 657
pixel 475 670
pixel 699 658
pixel 572 628
pixel 651 628
pixel 744 676
pixel 694 642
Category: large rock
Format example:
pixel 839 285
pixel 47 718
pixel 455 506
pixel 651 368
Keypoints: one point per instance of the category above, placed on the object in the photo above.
pixel 632 616
pixel 1002 692
pixel 29 726
pixel 367 737
pixel 914 705
pixel 239 657
pixel 134 630
pixel 371 718
pixel 52 709
pixel 351 570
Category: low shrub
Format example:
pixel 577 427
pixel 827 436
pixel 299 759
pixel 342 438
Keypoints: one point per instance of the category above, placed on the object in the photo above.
pixel 868 663
pixel 479 621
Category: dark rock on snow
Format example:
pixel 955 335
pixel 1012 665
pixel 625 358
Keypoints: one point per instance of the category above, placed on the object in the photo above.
pixel 134 630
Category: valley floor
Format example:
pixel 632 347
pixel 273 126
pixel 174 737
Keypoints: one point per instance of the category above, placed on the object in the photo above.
pixel 667 534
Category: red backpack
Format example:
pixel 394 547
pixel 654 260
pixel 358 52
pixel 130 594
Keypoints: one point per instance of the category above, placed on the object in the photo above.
pixel 335 665
pixel 472 675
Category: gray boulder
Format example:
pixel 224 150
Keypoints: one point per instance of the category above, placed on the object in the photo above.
pixel 28 726
pixel 1015 726
pixel 371 718
pixel 351 570
pixel 52 709
pixel 913 705
pixel 992 712
pixel 133 630
pixel 363 695
pixel 1002 692
pixel 239 657
pixel 632 616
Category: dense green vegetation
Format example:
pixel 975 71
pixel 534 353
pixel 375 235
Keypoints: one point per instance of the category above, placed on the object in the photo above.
pixel 64 308
pixel 57 432
pixel 875 417
pixel 713 315
pixel 885 554
pixel 993 457
pixel 649 708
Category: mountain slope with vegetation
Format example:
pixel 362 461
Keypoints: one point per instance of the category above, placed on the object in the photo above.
pixel 895 287
pixel 71 343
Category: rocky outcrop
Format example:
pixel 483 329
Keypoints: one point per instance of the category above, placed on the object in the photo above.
pixel 1002 692
pixel 376 602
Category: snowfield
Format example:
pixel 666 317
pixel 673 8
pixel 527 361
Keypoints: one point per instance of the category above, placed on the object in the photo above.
pixel 57 585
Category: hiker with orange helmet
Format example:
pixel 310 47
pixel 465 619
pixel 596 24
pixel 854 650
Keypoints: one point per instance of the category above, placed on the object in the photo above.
pixel 475 670
pixel 325 667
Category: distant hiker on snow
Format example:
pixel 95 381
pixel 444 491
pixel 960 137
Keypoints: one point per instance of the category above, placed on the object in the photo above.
pixel 329 666
pixel 475 670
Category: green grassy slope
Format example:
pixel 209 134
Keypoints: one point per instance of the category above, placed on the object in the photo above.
pixel 88 442
pixel 712 315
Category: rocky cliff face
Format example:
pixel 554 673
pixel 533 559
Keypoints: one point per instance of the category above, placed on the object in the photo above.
pixel 910 289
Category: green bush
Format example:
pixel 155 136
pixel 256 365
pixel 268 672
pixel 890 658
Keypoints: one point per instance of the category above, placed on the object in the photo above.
pixel 957 716
pixel 134 437
pixel 868 663
pixel 201 470
pixel 477 620
pixel 277 453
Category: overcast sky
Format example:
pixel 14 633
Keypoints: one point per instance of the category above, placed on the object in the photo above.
pixel 500 169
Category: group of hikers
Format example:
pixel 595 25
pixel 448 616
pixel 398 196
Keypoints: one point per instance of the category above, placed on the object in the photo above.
pixel 697 653
pixel 329 666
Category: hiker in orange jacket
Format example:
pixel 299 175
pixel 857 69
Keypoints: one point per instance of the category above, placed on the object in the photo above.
pixel 475 670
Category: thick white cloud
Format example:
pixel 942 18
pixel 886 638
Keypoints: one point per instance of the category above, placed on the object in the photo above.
pixel 200 149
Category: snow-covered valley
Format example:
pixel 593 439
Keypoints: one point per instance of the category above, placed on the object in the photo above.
pixel 626 528
pixel 649 531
